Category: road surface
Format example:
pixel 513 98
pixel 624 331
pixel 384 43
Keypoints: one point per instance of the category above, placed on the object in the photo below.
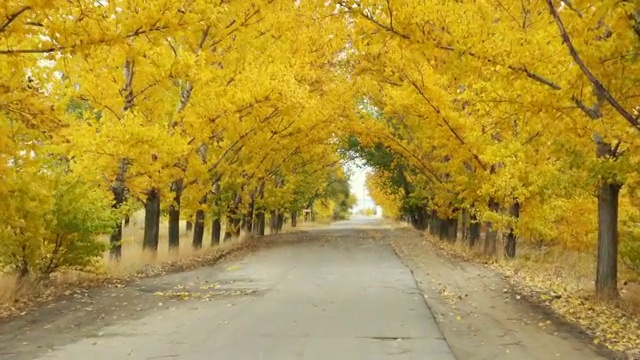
pixel 338 293
pixel 345 300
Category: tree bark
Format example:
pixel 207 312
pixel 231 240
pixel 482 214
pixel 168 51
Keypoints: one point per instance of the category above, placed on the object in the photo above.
pixel 118 188
pixel 510 244
pixel 230 224
pixel 237 227
pixel 294 219
pixel 434 224
pixel 273 222
pixel 228 231
pixel 261 223
pixel 607 264
pixel 248 218
pixel 198 230
pixel 474 231
pixel 127 220
pixel 491 239
pixel 280 220
pixel 246 223
pixel 151 221
pixel 452 230
pixel 608 198
pixel 174 228
pixel 443 228
pixel 464 226
pixel 198 226
pixel 174 216
pixel 115 241
pixel 216 231
pixel 421 218
pixel 189 226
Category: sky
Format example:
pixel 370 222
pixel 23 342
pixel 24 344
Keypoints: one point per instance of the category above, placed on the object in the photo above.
pixel 357 184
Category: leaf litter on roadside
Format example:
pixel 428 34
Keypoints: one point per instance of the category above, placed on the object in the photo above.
pixel 608 325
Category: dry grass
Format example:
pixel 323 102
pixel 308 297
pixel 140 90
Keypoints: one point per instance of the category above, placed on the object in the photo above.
pixel 16 297
pixel 8 288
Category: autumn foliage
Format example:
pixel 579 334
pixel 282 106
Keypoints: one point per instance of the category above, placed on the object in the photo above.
pixel 510 118
pixel 210 112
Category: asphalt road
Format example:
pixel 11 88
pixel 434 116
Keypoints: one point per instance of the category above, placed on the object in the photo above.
pixel 342 300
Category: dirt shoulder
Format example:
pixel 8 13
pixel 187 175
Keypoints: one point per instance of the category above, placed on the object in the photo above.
pixel 481 315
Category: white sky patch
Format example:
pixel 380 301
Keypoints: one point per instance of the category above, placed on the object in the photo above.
pixel 357 181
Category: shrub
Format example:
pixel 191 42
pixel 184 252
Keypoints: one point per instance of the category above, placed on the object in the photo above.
pixel 51 220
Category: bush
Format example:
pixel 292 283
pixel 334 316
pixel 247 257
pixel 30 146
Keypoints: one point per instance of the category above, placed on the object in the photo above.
pixel 51 220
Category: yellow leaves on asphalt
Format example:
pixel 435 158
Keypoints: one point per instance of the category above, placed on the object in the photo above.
pixel 203 291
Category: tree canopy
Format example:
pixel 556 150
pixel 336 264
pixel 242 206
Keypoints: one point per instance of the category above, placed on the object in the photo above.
pixel 522 115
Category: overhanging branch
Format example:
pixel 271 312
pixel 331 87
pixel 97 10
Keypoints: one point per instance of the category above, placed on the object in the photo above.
pixel 601 90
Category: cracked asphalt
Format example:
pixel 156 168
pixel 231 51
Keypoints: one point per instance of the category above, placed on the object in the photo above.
pixel 342 297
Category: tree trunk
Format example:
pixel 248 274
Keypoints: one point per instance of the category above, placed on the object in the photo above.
pixel 294 219
pixel 174 228
pixel 248 218
pixel 466 224
pixel 247 222
pixel 491 238
pixel 127 220
pixel 151 221
pixel 228 231
pixel 474 230
pixel 442 229
pixel 434 225
pixel 452 230
pixel 198 226
pixel 198 230
pixel 115 239
pixel 273 222
pixel 608 197
pixel 189 226
pixel 24 272
pixel 280 220
pixel 260 227
pixel 216 232
pixel 237 227
pixel 607 265
pixel 174 216
pixel 421 218
pixel 510 244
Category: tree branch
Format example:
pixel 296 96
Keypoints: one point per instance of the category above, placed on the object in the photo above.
pixel 446 121
pixel 413 155
pixel 52 49
pixel 390 14
pixel 601 90
pixel 11 18
pixel 537 77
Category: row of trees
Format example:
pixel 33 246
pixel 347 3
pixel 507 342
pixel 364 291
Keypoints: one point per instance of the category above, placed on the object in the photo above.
pixel 523 115
pixel 209 111
pixel 519 114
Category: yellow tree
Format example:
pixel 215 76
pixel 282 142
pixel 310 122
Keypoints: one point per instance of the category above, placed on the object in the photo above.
pixel 35 35
pixel 499 76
